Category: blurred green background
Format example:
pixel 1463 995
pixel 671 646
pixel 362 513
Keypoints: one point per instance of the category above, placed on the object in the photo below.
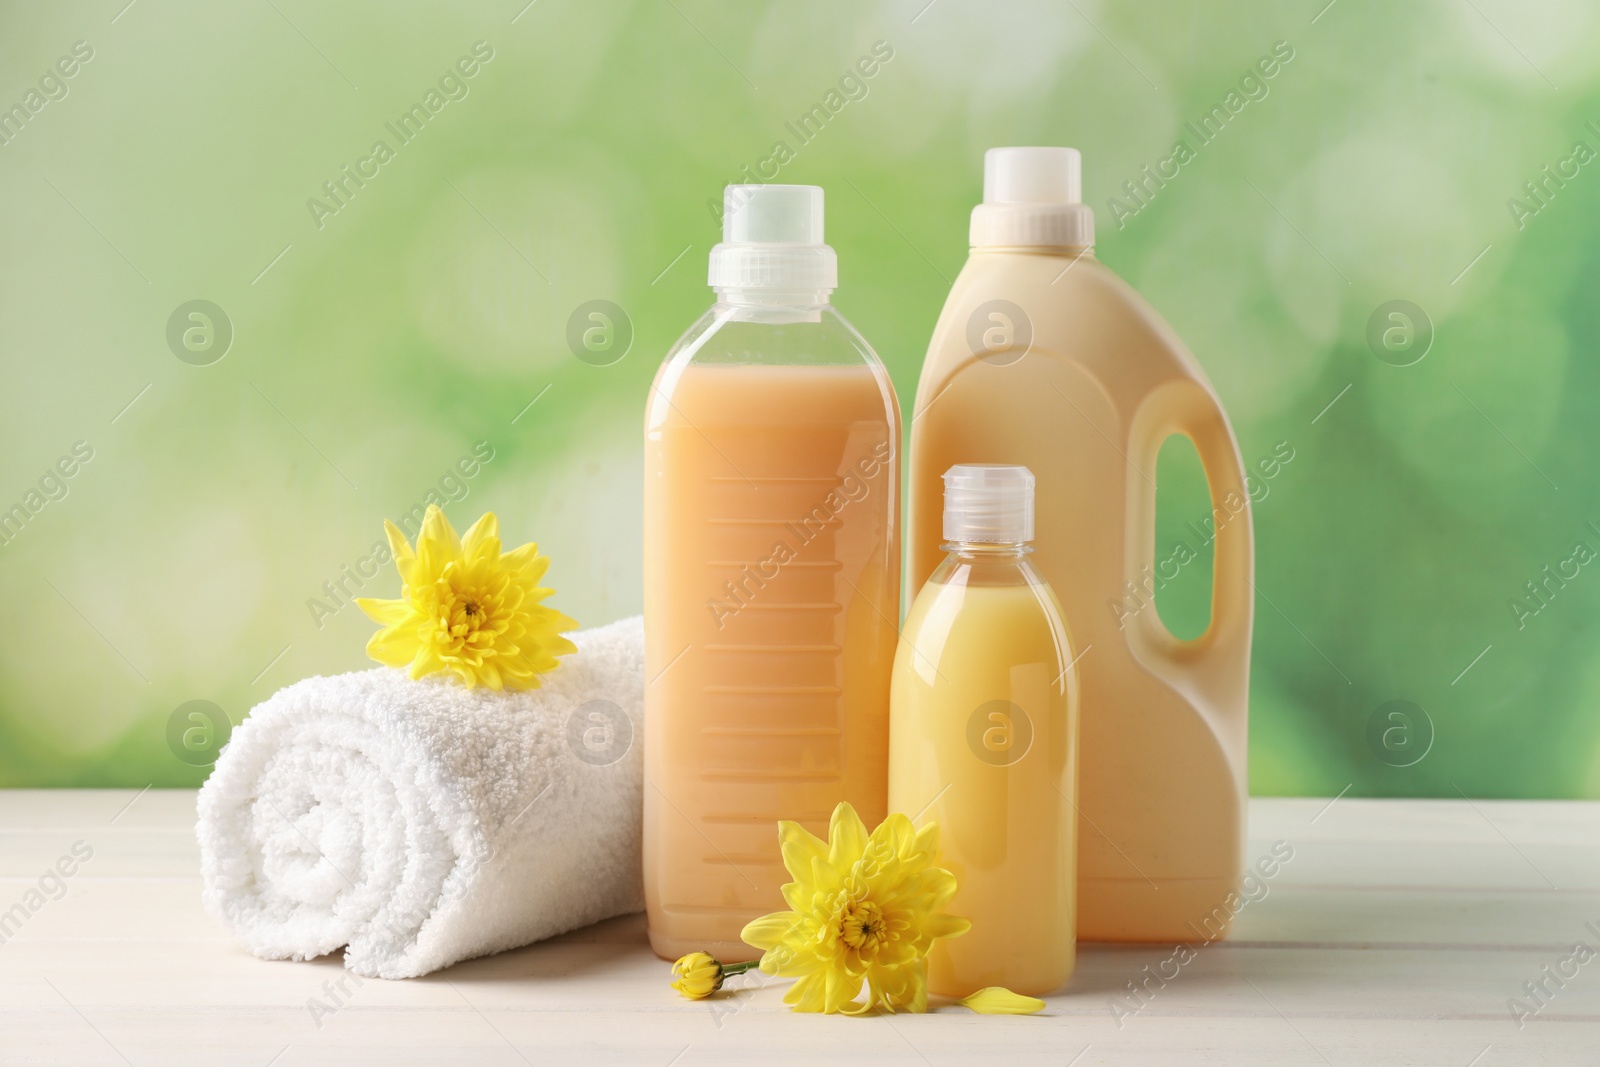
pixel 379 340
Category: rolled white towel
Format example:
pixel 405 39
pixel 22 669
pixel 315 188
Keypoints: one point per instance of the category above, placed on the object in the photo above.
pixel 421 823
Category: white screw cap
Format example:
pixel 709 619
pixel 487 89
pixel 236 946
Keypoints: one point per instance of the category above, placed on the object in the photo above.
pixel 987 502
pixel 1032 176
pixel 772 239
pixel 1032 197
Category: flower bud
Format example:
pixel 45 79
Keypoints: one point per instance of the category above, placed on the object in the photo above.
pixel 697 975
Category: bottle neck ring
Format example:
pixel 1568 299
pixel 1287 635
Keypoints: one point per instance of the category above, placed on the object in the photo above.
pixel 1031 225
pixel 772 306
pixel 988 549
pixel 772 298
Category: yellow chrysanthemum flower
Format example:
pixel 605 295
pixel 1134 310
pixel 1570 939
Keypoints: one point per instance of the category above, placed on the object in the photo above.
pixel 467 608
pixel 865 909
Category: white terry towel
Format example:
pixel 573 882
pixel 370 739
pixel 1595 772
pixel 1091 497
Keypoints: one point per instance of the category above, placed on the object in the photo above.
pixel 421 823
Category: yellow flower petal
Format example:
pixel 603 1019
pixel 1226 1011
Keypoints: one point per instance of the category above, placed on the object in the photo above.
pixel 809 994
pixel 800 847
pixel 840 991
pixel 483 535
pixel 528 562
pixel 553 620
pixel 896 832
pixel 489 675
pixel 404 558
pixel 941 888
pixel 904 988
pixel 847 837
pixel 998 1000
pixel 942 925
pixel 769 930
pixel 436 527
pixel 394 646
pixel 387 612
pixel 437 544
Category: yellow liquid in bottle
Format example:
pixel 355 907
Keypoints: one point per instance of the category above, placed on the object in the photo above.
pixel 983 741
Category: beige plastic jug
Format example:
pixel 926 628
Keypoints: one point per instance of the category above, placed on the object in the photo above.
pixel 1044 358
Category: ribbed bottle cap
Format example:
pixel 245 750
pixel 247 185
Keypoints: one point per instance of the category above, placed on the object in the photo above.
pixel 985 502
pixel 1032 196
pixel 772 239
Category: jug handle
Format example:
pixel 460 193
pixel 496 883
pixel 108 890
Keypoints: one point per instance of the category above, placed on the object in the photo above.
pixel 1216 662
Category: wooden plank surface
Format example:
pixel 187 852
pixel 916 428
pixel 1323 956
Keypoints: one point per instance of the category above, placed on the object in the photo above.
pixel 1397 933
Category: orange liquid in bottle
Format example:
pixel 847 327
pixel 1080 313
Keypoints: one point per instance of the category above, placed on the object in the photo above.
pixel 771 596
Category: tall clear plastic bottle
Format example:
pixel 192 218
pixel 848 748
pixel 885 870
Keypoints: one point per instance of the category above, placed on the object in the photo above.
pixel 771 576
pixel 983 740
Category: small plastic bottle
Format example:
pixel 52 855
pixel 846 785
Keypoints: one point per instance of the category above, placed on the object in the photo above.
pixel 983 740
pixel 771 577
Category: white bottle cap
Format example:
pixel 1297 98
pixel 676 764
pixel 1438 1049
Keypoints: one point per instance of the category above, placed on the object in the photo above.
pixel 1032 197
pixel 772 239
pixel 985 502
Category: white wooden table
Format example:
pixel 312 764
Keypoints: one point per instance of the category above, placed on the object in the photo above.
pixel 1397 933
